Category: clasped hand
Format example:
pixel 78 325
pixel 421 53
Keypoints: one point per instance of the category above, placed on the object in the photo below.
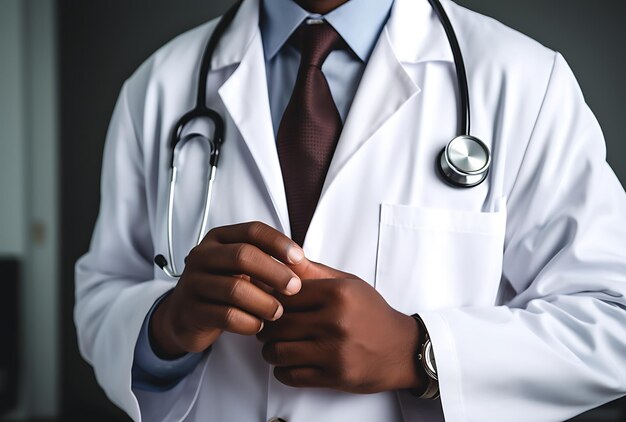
pixel 320 327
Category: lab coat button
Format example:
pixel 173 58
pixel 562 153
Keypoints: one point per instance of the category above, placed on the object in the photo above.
pixel 277 420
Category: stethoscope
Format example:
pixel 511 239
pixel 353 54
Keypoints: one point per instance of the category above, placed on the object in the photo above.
pixel 464 162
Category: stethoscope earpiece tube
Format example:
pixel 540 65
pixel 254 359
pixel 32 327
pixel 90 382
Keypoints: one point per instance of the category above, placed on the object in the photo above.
pixel 464 162
pixel 459 63
pixel 207 57
pixel 199 111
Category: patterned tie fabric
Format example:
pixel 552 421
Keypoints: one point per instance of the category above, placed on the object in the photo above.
pixel 309 129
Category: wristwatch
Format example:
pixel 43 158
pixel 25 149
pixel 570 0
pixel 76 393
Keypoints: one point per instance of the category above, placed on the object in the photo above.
pixel 425 359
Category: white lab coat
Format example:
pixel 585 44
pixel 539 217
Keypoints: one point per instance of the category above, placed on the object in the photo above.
pixel 520 280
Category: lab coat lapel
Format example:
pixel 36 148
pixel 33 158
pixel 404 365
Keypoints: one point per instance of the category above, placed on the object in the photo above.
pixel 246 100
pixel 413 34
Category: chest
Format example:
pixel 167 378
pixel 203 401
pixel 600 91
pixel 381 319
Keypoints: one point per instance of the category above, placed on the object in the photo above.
pixel 384 214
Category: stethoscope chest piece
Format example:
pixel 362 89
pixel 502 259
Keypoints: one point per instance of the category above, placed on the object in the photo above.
pixel 465 161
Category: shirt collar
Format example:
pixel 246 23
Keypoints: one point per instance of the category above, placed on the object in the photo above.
pixel 359 22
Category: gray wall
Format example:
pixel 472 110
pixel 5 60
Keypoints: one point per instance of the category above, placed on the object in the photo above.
pixel 28 192
pixel 12 135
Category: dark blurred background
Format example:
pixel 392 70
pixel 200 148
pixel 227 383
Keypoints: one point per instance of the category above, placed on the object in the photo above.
pixel 62 64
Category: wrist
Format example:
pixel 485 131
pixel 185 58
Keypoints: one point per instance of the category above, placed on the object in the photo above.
pixel 410 374
pixel 171 338
pixel 161 333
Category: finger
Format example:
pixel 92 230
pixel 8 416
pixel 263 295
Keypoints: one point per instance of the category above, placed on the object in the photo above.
pixel 244 258
pixel 264 237
pixel 302 377
pixel 237 291
pixel 291 327
pixel 229 318
pixel 292 353
pixel 267 289
pixel 313 295
pixel 307 269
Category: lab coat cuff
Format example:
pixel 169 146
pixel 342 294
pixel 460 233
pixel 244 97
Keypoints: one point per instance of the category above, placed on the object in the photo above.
pixel 448 365
pixel 152 373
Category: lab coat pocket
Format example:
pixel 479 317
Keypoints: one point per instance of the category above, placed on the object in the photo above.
pixel 432 259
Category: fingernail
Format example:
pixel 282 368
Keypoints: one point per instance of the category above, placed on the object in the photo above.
pixel 278 314
pixel 295 254
pixel 261 329
pixel 293 286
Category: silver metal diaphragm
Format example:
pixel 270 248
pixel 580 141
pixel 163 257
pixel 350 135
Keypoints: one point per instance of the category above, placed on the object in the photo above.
pixel 465 161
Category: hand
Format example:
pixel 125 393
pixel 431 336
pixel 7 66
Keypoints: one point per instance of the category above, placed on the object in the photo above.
pixel 215 292
pixel 339 333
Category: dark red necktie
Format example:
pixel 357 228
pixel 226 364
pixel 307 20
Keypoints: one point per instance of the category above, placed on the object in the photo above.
pixel 310 128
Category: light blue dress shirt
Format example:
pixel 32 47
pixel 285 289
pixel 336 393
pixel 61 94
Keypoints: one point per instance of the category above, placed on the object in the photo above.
pixel 359 22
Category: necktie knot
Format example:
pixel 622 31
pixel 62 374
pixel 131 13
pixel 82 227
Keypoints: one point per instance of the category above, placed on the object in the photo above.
pixel 316 41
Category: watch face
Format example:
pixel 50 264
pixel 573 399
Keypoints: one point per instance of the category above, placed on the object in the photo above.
pixel 429 360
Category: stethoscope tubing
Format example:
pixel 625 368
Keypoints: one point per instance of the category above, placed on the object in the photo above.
pixel 199 111
pixel 202 111
pixel 459 64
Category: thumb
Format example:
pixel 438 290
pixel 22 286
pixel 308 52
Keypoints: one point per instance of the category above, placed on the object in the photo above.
pixel 309 270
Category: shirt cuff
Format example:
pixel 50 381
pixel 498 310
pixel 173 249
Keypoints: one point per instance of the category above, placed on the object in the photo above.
pixel 150 372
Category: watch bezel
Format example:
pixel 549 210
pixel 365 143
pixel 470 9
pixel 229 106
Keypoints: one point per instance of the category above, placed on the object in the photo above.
pixel 424 354
pixel 428 359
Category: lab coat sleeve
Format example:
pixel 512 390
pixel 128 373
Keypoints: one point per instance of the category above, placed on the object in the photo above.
pixel 150 372
pixel 558 347
pixel 115 285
